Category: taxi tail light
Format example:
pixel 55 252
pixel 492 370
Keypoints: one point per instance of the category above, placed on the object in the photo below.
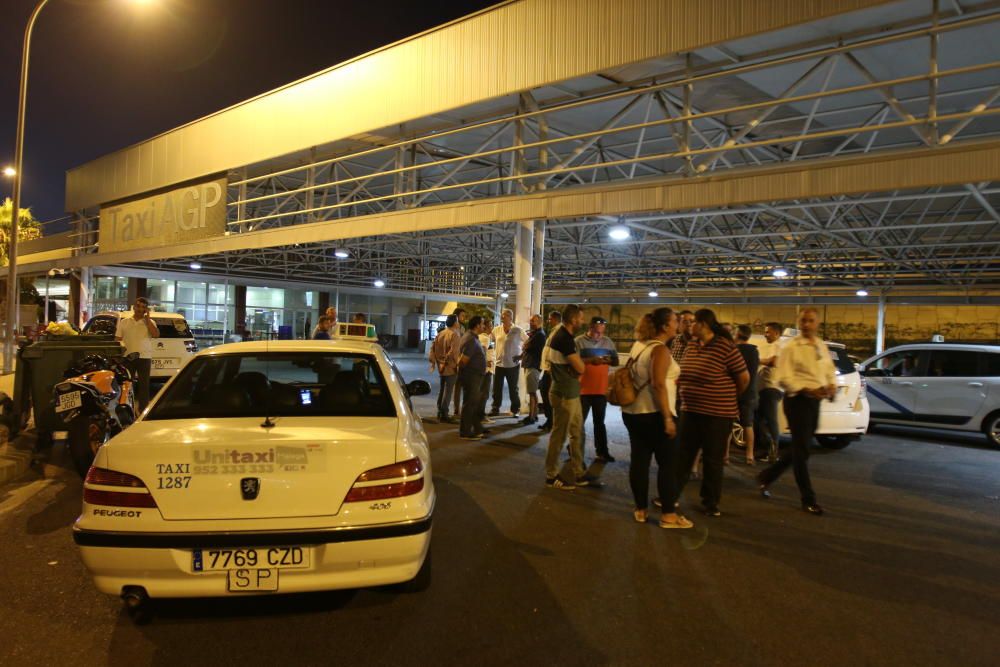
pixel 104 477
pixel 396 486
pixel 864 388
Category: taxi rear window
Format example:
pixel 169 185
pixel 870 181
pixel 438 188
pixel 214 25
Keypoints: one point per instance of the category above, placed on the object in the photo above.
pixel 296 384
pixel 841 360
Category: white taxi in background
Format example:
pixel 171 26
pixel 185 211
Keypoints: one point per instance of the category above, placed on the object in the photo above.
pixel 845 418
pixel 265 467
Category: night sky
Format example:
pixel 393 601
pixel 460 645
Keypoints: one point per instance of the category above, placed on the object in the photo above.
pixel 107 73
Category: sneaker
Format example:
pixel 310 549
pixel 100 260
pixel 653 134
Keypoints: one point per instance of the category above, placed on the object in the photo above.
pixel 495 412
pixel 657 503
pixel 515 415
pixel 528 421
pixel 487 420
pixel 605 458
pixel 558 483
pixel 712 512
pixel 472 437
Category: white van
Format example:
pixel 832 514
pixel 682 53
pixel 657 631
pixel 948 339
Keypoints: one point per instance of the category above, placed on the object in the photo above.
pixel 845 418
pixel 937 385
pixel 171 350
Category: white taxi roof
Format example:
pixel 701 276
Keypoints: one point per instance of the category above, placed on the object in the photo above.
pixel 258 346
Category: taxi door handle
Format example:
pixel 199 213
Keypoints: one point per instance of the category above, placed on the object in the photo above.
pixel 975 384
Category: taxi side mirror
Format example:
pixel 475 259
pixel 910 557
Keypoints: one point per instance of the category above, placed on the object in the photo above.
pixel 418 388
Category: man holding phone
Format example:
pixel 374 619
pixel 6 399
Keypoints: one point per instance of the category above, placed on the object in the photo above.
pixel 136 332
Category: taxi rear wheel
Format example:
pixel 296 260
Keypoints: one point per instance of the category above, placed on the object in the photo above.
pixel 833 441
pixel 422 581
pixel 991 428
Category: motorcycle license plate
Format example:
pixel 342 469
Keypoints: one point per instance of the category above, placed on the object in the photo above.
pixel 68 401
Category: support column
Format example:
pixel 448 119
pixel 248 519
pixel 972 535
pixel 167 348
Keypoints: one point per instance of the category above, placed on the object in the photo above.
pixel 85 307
pixel 240 310
pixel 538 268
pixel 136 288
pixel 880 327
pixel 523 260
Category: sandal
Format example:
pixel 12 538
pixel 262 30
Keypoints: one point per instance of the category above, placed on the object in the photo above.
pixel 681 522
pixel 639 516
pixel 751 462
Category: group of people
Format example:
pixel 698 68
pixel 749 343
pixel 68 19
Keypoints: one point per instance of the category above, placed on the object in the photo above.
pixel 324 329
pixel 691 378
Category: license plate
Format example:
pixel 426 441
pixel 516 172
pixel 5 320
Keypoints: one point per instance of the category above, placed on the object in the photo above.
pixel 277 558
pixel 68 401
pixel 164 363
pixel 242 580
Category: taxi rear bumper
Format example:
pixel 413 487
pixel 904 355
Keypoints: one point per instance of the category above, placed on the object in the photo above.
pixel 346 558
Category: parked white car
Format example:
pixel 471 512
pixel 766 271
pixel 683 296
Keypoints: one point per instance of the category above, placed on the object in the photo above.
pixel 937 385
pixel 265 467
pixel 171 350
pixel 845 418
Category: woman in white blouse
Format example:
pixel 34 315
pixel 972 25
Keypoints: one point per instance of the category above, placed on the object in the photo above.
pixel 650 419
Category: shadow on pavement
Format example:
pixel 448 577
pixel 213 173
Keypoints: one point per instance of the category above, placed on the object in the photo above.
pixel 482 587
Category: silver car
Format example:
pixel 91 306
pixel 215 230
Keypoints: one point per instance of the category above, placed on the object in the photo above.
pixel 937 385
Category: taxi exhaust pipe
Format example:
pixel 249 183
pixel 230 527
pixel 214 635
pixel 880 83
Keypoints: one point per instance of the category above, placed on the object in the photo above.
pixel 136 601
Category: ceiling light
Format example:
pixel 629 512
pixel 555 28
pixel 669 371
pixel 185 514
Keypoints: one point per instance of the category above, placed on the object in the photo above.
pixel 195 266
pixel 619 232
pixel 862 292
pixel 340 253
pixel 379 283
pixel 779 273
pixel 653 293
pixel 504 295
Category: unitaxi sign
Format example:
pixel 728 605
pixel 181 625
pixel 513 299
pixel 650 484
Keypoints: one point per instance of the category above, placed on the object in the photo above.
pixel 195 211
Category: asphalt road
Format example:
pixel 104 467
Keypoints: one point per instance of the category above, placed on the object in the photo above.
pixel 903 570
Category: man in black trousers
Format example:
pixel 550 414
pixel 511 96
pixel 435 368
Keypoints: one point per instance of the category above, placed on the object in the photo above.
pixel 806 372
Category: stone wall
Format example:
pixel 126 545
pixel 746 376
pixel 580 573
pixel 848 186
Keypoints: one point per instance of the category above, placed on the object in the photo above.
pixel 853 325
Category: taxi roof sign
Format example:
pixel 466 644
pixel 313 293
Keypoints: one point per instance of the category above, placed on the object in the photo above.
pixel 356 331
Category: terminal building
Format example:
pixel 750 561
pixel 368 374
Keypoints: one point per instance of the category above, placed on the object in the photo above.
pixel 753 157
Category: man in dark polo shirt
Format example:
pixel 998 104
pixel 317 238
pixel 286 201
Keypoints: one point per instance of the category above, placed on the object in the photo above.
pixel 565 367
pixel 471 369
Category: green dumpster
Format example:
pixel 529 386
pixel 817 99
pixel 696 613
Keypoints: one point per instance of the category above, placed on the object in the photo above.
pixel 41 365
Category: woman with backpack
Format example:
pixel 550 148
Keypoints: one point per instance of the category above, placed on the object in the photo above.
pixel 649 416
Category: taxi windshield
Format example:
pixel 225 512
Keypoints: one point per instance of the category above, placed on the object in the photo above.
pixel 287 384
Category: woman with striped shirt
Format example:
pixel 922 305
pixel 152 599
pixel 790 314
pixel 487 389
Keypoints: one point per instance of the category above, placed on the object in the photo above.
pixel 650 418
pixel 713 375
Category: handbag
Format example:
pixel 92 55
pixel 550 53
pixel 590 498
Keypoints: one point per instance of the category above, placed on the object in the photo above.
pixel 621 389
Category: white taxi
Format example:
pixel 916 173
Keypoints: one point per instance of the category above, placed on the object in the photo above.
pixel 265 467
pixel 843 419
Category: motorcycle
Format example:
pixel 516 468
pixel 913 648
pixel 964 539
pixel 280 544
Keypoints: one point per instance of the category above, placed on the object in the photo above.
pixel 97 402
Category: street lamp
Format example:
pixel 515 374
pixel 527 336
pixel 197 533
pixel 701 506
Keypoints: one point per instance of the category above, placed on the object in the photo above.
pixel 15 174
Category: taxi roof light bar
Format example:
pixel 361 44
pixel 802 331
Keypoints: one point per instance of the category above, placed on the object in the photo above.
pixel 356 330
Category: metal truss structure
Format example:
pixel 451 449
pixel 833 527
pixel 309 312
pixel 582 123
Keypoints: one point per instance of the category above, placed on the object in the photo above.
pixel 926 76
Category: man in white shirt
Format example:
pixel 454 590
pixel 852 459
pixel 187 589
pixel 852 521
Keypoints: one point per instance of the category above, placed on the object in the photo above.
pixel 135 331
pixel 766 426
pixel 508 338
pixel 806 372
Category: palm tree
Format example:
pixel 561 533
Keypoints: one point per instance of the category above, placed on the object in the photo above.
pixel 28 228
